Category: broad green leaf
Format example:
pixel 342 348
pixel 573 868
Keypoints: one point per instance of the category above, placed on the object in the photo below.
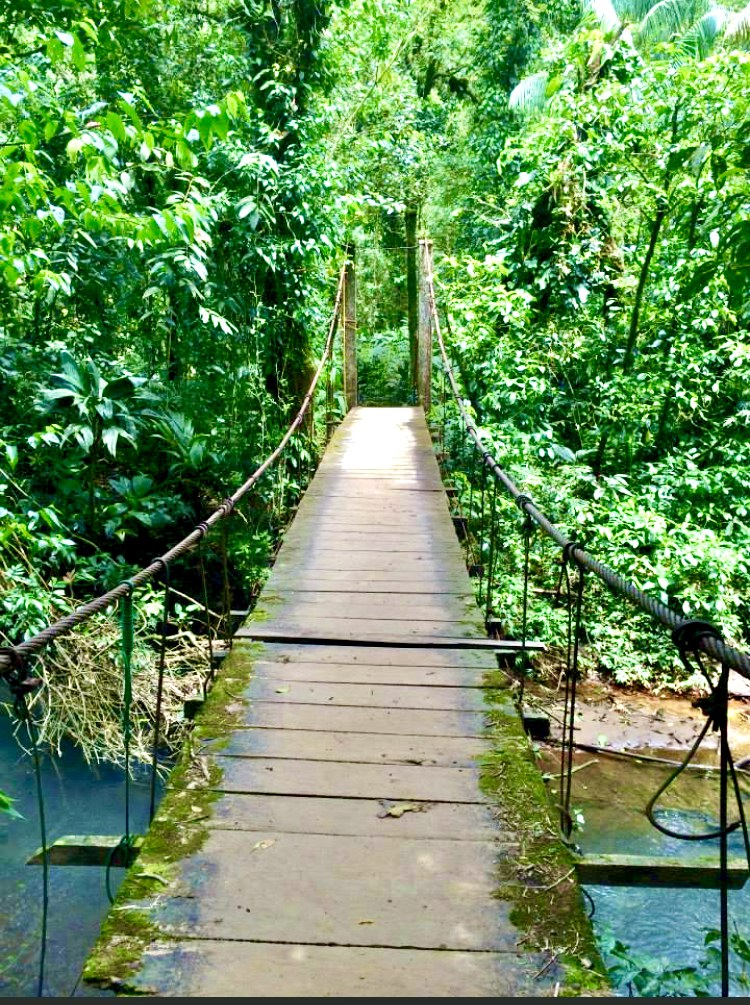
pixel 121 387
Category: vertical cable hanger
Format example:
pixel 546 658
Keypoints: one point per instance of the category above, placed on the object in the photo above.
pixel 575 613
pixel 22 685
pixel 163 630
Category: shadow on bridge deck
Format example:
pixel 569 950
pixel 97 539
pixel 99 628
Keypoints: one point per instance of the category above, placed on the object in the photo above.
pixel 347 849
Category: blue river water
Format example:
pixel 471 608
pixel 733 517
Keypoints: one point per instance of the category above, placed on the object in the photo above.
pixel 79 799
pixel 666 925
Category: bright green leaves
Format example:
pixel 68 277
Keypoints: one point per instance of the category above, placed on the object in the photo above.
pixel 102 417
pixel 6 806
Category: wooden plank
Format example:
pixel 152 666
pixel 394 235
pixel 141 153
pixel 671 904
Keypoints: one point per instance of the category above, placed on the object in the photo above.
pixel 407 543
pixel 395 606
pixel 702 872
pixel 372 656
pixel 356 748
pixel 371 582
pixel 351 718
pixel 307 625
pixel 350 331
pixel 302 888
pixel 90 849
pixel 356 558
pixel 347 673
pixel 366 695
pixel 189 968
pixel 340 815
pixel 262 633
pixel 283 776
pixel 369 527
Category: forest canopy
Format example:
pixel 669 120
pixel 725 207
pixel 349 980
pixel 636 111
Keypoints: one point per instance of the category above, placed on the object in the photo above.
pixel 178 182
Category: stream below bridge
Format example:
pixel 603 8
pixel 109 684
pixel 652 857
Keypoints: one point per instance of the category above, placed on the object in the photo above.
pixel 609 791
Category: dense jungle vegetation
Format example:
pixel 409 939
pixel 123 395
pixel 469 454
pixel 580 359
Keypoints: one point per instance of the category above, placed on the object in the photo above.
pixel 178 181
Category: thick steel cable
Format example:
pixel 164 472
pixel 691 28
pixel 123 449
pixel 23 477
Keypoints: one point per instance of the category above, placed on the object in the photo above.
pixel 710 643
pixel 33 646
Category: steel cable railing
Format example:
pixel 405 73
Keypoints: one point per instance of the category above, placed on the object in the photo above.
pixel 686 633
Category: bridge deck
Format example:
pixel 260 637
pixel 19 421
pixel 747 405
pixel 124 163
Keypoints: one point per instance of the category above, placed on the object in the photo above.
pixel 349 850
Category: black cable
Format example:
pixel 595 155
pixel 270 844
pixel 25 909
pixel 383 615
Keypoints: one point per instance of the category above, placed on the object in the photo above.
pixel 33 739
pixel 159 692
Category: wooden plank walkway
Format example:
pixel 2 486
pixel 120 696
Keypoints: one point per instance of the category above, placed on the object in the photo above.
pixel 348 850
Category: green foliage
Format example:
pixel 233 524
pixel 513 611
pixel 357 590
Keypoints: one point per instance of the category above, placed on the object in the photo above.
pixel 383 369
pixel 599 318
pixel 6 806
pixel 644 976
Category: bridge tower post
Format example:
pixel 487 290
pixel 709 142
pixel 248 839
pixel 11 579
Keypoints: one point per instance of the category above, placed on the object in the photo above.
pixel 424 355
pixel 412 301
pixel 350 331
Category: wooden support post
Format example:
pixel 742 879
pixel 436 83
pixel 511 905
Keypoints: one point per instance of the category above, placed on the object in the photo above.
pixel 424 370
pixel 350 331
pixel 412 299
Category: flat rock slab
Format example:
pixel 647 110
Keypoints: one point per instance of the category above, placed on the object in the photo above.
pixel 327 889
pixel 366 817
pixel 343 718
pixel 191 969
pixel 281 776
pixel 366 695
pixel 366 748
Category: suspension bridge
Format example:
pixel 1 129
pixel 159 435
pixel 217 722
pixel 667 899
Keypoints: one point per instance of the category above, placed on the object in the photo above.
pixel 344 820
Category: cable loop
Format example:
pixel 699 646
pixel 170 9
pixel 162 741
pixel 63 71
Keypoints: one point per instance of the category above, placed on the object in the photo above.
pixel 20 682
pixel 687 635
pixel 164 566
pixel 568 549
pixel 522 501
pixel 202 528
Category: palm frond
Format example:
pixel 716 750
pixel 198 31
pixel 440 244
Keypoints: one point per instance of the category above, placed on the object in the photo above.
pixel 633 11
pixel 670 17
pixel 700 38
pixel 738 28
pixel 530 94
pixel 604 13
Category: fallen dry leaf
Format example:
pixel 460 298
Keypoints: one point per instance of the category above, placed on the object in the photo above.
pixel 398 809
pixel 265 843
